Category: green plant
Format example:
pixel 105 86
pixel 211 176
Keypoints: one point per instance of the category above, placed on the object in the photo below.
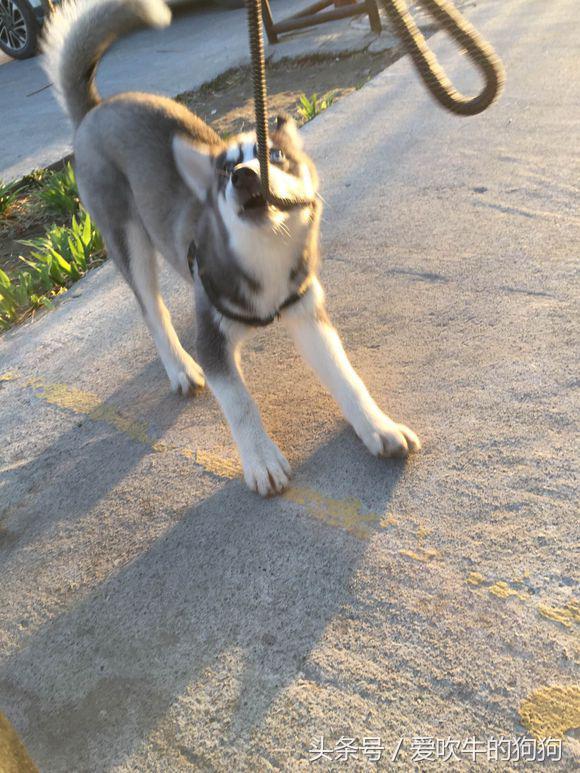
pixel 57 259
pixel 58 192
pixel 310 107
pixel 8 196
pixel 65 253
pixel 35 178
pixel 18 295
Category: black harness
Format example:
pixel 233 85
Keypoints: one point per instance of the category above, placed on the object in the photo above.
pixel 213 294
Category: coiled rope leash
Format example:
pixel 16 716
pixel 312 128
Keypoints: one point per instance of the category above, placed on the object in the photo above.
pixel 465 35
pixel 433 75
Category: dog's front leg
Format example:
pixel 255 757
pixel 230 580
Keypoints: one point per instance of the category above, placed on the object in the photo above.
pixel 265 468
pixel 321 347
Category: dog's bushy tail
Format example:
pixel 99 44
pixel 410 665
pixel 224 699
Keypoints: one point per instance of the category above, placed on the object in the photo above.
pixel 76 37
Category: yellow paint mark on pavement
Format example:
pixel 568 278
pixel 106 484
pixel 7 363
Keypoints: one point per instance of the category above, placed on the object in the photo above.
pixel 345 514
pixel 91 406
pixel 500 588
pixel 475 578
pixel 387 521
pixel 217 465
pixel 566 615
pixel 421 554
pixel 503 591
pixel 13 755
pixel 550 712
pixel 9 375
pixel 423 532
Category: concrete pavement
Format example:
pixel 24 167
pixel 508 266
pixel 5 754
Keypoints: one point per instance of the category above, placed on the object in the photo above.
pixel 158 616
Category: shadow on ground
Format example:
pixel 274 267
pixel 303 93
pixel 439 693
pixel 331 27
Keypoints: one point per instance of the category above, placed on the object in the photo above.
pixel 232 574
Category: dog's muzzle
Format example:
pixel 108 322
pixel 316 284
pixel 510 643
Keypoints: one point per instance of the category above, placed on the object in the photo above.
pixel 248 188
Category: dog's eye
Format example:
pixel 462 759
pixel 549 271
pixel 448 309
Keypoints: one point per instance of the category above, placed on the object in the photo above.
pixel 276 156
pixel 228 168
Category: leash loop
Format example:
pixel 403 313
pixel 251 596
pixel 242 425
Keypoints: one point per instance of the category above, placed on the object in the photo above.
pixel 434 77
pixel 466 36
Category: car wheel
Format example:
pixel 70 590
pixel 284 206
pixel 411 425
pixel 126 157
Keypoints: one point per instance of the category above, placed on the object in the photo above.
pixel 231 4
pixel 18 29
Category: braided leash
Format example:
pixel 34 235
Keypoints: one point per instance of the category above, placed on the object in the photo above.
pixel 448 17
pixel 466 36
pixel 254 9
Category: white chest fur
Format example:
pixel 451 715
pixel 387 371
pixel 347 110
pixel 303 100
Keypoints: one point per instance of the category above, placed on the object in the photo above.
pixel 267 252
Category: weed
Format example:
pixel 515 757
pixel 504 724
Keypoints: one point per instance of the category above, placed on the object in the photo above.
pixel 19 295
pixel 8 197
pixel 57 259
pixel 64 253
pixel 35 178
pixel 58 192
pixel 310 107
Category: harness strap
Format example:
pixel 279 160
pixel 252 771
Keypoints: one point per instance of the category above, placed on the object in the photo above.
pixel 214 297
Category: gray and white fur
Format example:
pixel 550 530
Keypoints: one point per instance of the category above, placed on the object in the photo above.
pixel 158 181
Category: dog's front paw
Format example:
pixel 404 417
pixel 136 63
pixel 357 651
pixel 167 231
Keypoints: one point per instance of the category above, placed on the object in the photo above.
pixel 186 376
pixel 266 469
pixel 384 437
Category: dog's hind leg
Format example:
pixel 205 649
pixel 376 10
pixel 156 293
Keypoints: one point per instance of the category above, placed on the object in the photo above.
pixel 184 373
pixel 105 193
pixel 134 255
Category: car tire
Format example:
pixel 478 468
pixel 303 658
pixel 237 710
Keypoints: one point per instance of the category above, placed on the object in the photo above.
pixel 230 4
pixel 18 29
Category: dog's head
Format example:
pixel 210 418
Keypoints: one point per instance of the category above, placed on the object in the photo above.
pixel 229 175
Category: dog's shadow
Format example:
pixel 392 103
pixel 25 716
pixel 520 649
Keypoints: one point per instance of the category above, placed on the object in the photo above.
pixel 81 467
pixel 236 579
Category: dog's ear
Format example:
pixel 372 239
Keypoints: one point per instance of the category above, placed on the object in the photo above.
pixel 287 126
pixel 195 164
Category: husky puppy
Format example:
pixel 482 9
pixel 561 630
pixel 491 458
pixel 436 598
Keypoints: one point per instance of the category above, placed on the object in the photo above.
pixel 158 181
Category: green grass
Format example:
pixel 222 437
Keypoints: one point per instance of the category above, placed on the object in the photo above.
pixel 18 296
pixel 310 107
pixel 58 194
pixel 57 260
pixel 48 193
pixel 8 197
pixel 35 178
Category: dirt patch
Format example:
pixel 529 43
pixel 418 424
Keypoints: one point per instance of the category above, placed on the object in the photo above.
pixel 227 102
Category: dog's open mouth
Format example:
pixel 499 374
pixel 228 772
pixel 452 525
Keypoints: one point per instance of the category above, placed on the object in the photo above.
pixel 255 205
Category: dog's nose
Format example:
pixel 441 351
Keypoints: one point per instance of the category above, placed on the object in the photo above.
pixel 246 180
